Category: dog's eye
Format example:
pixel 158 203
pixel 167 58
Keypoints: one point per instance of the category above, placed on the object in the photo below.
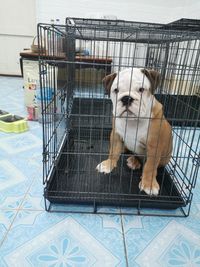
pixel 141 90
pixel 116 90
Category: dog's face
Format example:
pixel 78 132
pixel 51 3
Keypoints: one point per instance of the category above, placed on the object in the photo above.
pixel 131 92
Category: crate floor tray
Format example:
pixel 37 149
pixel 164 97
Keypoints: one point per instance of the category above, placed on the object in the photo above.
pixel 75 179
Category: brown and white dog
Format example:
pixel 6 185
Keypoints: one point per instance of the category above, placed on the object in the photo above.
pixel 138 125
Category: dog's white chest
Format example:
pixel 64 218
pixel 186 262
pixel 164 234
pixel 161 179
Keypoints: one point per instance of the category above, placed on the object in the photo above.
pixel 133 133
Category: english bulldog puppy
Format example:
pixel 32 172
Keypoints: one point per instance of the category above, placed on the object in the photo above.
pixel 138 125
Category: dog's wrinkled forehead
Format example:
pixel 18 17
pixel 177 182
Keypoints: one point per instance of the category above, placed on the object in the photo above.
pixel 131 79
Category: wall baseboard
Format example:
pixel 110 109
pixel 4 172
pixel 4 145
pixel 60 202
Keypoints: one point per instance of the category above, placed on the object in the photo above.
pixel 11 75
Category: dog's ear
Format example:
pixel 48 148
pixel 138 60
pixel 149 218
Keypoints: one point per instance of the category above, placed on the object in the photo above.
pixel 108 80
pixel 154 78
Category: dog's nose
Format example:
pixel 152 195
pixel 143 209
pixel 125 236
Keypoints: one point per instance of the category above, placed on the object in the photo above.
pixel 127 100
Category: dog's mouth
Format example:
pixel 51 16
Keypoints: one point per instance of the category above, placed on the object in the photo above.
pixel 128 113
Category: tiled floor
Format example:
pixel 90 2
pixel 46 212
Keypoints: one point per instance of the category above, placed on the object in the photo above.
pixel 29 236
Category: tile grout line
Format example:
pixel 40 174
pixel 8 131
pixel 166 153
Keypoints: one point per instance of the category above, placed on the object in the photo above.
pixel 4 209
pixel 124 240
pixel 6 234
pixel 18 210
pixel 26 193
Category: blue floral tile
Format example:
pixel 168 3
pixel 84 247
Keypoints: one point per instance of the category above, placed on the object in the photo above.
pixel 25 227
pixel 13 185
pixel 9 175
pixel 63 251
pixel 12 202
pixel 193 221
pixel 30 164
pixel 174 245
pixel 182 253
pixel 54 239
pixel 139 231
pixel 29 236
pixel 36 129
pixel 106 229
pixel 33 203
pixel 20 154
pixel 34 198
pixel 20 143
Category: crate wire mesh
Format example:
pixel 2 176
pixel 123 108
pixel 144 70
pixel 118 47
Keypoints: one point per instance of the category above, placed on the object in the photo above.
pixel 77 120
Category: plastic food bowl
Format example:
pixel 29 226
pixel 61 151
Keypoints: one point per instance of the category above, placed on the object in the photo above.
pixel 11 123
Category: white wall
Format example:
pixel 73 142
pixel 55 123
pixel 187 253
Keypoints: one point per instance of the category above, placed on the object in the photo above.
pixel 17 28
pixel 18 18
pixel 161 11
pixel 10 47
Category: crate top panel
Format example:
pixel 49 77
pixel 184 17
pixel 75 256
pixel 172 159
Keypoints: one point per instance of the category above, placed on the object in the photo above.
pixel 184 25
pixel 122 31
pixel 181 24
pixel 105 22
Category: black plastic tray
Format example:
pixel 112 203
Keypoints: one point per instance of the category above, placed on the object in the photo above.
pixel 75 179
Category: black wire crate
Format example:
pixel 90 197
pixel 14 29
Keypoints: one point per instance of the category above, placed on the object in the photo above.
pixel 82 128
pixel 84 148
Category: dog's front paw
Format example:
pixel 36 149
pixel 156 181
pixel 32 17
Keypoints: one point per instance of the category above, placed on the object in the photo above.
pixel 149 187
pixel 105 166
pixel 133 163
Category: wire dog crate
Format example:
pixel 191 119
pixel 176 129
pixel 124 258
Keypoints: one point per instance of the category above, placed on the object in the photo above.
pixel 77 113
